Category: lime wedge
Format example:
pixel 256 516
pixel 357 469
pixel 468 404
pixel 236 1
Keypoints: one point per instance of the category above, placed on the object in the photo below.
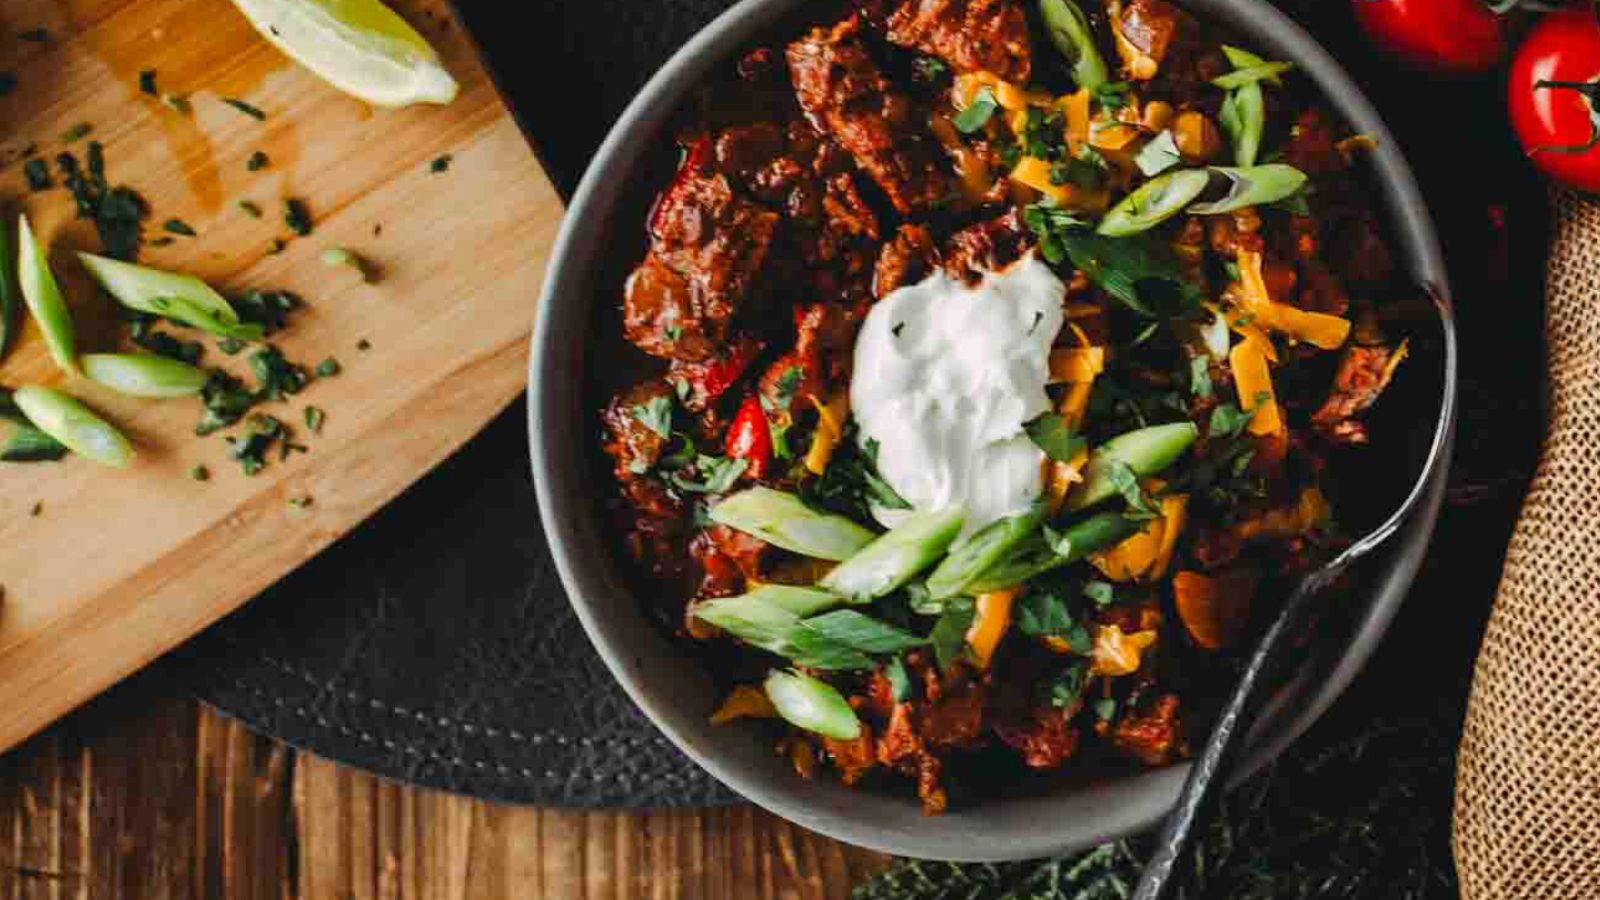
pixel 360 47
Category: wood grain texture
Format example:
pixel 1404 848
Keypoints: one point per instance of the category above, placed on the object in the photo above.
pixel 143 794
pixel 108 576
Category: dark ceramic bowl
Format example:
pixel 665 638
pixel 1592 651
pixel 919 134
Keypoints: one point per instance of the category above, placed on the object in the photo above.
pixel 670 685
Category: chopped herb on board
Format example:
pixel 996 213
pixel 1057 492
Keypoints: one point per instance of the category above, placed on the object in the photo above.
pixel 160 343
pixel 245 108
pixel 299 502
pixel 118 213
pixel 177 103
pixel 275 375
pixel 179 226
pixel 200 473
pixel 147 82
pixel 314 419
pixel 440 163
pixel 257 161
pixel 250 447
pixel 165 240
pixel 250 208
pixel 37 172
pixel 269 309
pixel 226 401
pixel 296 216
pixel 328 368
pixel 76 133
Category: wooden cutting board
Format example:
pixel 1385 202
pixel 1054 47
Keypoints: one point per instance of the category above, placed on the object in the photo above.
pixel 104 570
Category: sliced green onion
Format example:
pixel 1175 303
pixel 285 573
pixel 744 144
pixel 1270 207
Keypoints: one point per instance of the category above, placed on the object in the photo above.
pixel 1039 554
pixel 786 521
pixel 144 374
pixel 1243 59
pixel 1153 202
pixel 766 616
pixel 182 298
pixel 71 423
pixel 812 704
pixel 1253 186
pixel 1244 119
pixel 893 559
pixel 1146 451
pixel 1069 31
pixel 969 559
pixel 44 298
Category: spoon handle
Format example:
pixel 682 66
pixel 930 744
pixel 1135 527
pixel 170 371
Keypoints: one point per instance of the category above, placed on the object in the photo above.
pixel 1168 864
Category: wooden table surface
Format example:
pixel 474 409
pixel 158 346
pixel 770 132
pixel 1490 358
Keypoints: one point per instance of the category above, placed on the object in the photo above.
pixel 145 793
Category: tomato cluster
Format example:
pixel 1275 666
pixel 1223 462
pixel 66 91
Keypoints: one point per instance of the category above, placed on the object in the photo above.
pixel 1554 79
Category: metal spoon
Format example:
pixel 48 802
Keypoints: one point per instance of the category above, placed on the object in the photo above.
pixel 1203 789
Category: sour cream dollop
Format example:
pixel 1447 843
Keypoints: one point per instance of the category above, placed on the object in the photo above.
pixel 945 377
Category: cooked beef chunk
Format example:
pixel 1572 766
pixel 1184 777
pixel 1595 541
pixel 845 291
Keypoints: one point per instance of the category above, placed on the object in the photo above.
pixel 1154 737
pixel 633 443
pixel 708 248
pixel 1363 374
pixel 970 35
pixel 987 246
pixel 845 95
pixel 904 260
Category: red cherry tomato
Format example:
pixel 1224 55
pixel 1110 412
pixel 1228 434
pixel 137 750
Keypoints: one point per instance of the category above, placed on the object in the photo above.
pixel 750 438
pixel 1456 36
pixel 1555 96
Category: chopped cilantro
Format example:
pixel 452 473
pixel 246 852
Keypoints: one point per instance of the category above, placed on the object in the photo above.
pixel 269 309
pixel 977 113
pixel 328 368
pixel 440 163
pixel 257 161
pixel 142 331
pixel 296 216
pixel 949 634
pixel 1200 377
pixel 250 208
pixel 929 68
pixel 314 418
pixel 250 447
pixel 276 377
pixel 899 679
pixel 200 473
pixel 1105 708
pixel 717 474
pixel 656 414
pixel 178 226
pixel 226 401
pixel 1051 434
pixel 1101 592
pixel 37 172
pixel 245 108
pixel 147 82
pixel 76 133
pixel 1066 688
pixel 1140 505
pixel 1228 420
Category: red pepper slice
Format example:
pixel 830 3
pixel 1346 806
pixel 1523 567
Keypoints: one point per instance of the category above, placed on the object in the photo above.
pixel 750 438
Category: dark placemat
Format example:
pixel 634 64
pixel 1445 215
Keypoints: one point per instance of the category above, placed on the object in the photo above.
pixel 434 644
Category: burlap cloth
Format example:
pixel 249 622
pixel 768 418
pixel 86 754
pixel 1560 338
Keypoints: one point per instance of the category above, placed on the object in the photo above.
pixel 1527 805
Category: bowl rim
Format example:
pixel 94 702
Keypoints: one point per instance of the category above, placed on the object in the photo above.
pixel 612 616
